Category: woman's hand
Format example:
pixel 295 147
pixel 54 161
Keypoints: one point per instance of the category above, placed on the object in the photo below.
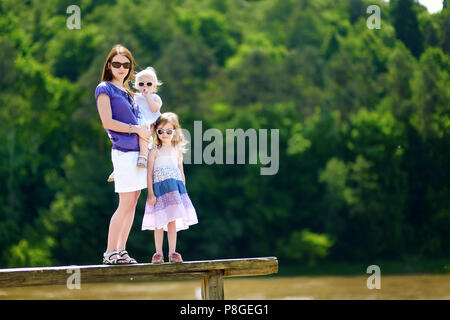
pixel 144 133
pixel 151 200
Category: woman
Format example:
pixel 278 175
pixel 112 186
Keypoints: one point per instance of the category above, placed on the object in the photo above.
pixel 118 114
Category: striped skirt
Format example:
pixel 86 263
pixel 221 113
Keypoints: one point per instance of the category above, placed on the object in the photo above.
pixel 172 204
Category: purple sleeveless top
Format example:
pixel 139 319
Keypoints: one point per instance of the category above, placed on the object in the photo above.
pixel 124 109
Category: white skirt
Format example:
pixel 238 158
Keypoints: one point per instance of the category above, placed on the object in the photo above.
pixel 127 176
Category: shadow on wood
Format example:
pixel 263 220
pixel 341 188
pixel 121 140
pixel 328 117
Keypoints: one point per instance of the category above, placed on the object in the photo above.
pixel 211 273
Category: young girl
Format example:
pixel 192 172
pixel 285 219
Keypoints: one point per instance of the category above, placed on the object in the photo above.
pixel 149 104
pixel 168 205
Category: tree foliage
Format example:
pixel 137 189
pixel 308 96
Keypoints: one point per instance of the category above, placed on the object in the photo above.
pixel 363 119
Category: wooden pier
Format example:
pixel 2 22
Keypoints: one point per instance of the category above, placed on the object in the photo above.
pixel 210 272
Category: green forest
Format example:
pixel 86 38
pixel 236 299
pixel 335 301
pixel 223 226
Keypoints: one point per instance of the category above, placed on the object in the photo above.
pixel 363 116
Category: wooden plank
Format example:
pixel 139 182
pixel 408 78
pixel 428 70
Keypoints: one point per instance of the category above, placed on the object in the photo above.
pixel 62 279
pixel 212 286
pixel 16 277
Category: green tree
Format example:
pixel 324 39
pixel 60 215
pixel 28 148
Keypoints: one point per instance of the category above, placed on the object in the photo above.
pixel 445 30
pixel 376 181
pixel 406 25
pixel 185 79
pixel 356 9
pixel 401 66
pixel 71 52
pixel 431 94
pixel 213 28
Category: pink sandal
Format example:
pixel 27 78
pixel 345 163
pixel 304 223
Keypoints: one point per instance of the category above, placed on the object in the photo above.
pixel 175 257
pixel 157 258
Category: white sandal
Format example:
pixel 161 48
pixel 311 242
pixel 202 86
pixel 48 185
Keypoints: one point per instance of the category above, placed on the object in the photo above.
pixel 129 259
pixel 142 161
pixel 107 258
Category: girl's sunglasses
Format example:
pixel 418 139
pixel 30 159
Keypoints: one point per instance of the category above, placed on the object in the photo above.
pixel 116 64
pixel 168 131
pixel 141 84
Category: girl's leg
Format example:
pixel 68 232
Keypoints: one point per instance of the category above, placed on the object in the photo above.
pixel 120 216
pixel 128 223
pixel 172 236
pixel 159 236
pixel 143 147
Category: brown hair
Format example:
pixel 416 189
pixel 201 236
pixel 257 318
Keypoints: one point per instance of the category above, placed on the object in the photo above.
pixel 107 74
pixel 178 140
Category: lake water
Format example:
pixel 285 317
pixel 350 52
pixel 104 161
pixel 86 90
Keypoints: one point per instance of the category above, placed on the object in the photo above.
pixel 307 287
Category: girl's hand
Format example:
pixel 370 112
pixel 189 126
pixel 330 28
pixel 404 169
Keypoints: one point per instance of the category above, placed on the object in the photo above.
pixel 146 92
pixel 151 200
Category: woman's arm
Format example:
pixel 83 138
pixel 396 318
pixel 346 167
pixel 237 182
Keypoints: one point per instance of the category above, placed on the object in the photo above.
pixel 104 109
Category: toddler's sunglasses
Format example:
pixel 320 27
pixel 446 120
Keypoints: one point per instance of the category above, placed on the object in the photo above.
pixel 117 64
pixel 168 131
pixel 141 84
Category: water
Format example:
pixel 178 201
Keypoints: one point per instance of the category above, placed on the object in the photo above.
pixel 321 287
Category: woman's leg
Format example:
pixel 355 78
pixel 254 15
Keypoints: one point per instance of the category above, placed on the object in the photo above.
pixel 172 236
pixel 128 223
pixel 120 217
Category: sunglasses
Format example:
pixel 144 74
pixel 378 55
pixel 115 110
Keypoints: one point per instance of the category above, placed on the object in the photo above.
pixel 141 84
pixel 116 64
pixel 168 131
